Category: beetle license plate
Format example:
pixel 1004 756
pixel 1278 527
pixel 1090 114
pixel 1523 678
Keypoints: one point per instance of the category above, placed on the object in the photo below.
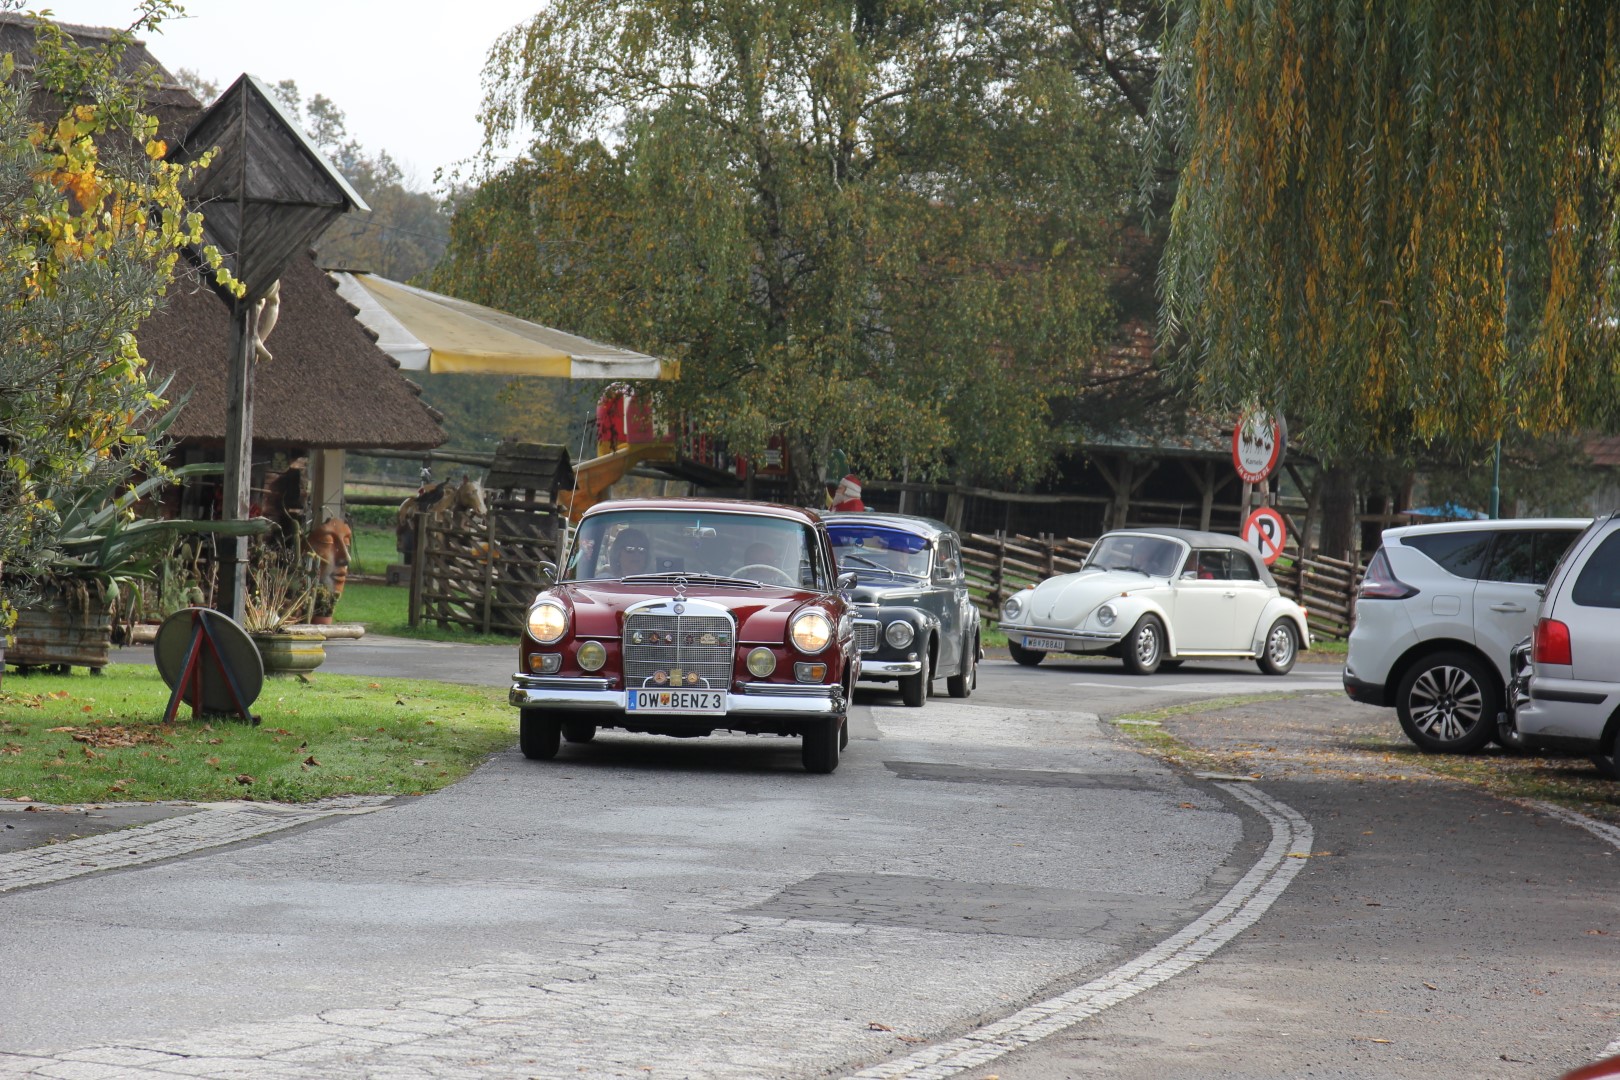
pixel 1044 644
pixel 675 701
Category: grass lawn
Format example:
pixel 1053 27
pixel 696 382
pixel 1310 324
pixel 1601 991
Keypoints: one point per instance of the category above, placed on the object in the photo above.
pixel 384 609
pixel 372 550
pixel 79 739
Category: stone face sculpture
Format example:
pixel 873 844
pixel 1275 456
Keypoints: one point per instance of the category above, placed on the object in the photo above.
pixel 329 542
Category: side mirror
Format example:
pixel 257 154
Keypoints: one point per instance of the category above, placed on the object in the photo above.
pixel 846 580
pixel 1541 592
pixel 549 569
pixel 1189 575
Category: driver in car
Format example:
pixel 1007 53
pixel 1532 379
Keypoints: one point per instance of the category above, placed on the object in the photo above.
pixel 630 555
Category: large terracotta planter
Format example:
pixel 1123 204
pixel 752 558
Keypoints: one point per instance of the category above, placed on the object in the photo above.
pixel 291 652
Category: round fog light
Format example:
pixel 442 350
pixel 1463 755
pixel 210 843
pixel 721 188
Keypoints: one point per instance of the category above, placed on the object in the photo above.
pixel 761 662
pixel 592 655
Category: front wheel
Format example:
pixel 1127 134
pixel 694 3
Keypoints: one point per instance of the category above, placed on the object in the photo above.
pixel 1144 646
pixel 914 688
pixel 962 684
pixel 539 735
pixel 1281 649
pixel 1023 656
pixel 1448 704
pixel 820 744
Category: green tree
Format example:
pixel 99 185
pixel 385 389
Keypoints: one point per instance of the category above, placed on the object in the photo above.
pixel 881 226
pixel 1394 221
pixel 91 225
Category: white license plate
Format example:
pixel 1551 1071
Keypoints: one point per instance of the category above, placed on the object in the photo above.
pixel 675 701
pixel 1044 644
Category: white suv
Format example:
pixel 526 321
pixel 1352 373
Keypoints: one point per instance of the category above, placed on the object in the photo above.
pixel 1440 608
pixel 1572 696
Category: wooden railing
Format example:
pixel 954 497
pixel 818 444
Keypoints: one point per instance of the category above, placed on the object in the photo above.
pixel 999 565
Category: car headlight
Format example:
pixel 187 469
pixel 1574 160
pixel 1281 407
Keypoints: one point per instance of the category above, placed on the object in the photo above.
pixel 812 632
pixel 1106 614
pixel 761 662
pixel 899 633
pixel 548 621
pixel 591 656
pixel 1012 607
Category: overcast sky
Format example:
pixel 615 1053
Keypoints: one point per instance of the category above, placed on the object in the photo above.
pixel 405 72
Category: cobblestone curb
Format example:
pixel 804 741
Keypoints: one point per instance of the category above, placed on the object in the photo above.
pixel 210 825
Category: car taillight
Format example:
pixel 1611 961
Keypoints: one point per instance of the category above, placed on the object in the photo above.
pixel 1380 583
pixel 1552 643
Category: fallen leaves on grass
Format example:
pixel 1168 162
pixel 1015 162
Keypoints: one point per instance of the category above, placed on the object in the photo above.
pixel 117 736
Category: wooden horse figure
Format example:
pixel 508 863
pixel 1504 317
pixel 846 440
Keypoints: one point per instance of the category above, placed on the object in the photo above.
pixel 468 501
pixel 329 542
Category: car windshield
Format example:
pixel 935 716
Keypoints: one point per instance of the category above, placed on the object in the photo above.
pixel 879 550
pixel 1153 555
pixel 692 543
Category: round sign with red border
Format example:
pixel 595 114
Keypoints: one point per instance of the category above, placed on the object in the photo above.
pixel 1266 533
pixel 1258 442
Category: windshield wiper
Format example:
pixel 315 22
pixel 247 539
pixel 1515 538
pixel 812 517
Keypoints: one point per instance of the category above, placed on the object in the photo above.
pixel 864 561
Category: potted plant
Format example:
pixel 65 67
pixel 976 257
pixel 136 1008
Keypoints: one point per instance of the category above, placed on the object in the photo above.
pixel 102 554
pixel 277 606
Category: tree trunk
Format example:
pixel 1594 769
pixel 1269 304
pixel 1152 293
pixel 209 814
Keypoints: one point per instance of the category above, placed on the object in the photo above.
pixel 1338 512
pixel 807 488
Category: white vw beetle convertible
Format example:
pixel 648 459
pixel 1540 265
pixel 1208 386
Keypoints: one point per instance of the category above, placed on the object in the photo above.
pixel 1156 597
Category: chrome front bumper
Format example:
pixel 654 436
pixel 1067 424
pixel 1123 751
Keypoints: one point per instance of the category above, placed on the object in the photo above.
pixel 748 699
pixel 889 669
pixel 1073 640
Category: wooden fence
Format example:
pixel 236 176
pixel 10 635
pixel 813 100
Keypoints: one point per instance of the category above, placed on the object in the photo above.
pixel 998 566
pixel 482 573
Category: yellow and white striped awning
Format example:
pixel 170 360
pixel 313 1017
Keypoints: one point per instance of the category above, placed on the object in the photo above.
pixel 427 331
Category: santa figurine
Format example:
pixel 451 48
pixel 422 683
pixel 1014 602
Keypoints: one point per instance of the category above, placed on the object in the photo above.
pixel 847 496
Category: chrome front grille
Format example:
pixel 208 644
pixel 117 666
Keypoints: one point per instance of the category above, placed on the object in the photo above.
pixel 680 646
pixel 866 635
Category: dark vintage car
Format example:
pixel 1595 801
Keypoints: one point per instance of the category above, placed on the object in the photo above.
pixel 685 617
pixel 914 621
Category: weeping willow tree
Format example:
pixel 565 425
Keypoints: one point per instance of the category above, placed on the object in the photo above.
pixel 1395 220
pixel 857 224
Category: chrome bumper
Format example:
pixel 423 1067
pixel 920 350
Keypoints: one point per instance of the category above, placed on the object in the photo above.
pixel 1077 640
pixel 748 699
pixel 889 669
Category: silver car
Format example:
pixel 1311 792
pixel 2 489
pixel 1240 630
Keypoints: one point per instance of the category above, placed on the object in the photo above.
pixel 1440 608
pixel 1571 699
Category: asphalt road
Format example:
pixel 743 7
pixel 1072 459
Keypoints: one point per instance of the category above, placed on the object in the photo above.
pixel 1004 886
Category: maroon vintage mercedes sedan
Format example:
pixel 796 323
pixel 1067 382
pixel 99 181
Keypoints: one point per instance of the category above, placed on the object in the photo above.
pixel 689 616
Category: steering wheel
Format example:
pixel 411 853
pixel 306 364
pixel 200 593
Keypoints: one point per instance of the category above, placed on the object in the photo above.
pixel 777 571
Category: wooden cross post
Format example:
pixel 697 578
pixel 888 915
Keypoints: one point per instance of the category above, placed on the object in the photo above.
pixel 238 457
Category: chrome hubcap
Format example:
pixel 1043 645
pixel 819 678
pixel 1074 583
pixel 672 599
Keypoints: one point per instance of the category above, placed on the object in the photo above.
pixel 1281 646
pixel 1147 645
pixel 1446 703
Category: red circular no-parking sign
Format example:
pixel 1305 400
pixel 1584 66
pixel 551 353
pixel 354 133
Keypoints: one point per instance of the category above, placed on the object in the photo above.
pixel 1266 532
